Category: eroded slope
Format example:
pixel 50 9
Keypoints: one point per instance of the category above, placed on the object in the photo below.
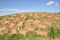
pixel 37 25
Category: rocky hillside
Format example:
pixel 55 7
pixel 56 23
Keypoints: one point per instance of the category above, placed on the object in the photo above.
pixel 30 26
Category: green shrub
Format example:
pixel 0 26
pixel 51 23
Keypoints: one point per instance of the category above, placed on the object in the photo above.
pixel 1 17
pixel 51 34
pixel 32 36
pixel 12 37
pixel 36 28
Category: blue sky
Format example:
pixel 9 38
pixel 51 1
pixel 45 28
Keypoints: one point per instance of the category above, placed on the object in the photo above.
pixel 14 6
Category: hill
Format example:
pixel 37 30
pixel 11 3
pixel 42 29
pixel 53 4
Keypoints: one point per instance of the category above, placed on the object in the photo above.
pixel 30 26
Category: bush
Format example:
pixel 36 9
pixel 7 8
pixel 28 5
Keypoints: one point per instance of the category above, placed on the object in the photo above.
pixel 12 37
pixel 32 36
pixel 1 17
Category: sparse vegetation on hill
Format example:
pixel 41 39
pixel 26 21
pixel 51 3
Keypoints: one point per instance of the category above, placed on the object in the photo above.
pixel 30 26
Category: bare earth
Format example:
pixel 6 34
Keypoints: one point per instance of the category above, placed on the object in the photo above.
pixel 38 22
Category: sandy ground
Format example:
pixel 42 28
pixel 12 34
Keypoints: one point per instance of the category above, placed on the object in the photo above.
pixel 42 24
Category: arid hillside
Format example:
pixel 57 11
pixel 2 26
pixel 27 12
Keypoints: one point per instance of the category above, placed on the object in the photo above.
pixel 30 26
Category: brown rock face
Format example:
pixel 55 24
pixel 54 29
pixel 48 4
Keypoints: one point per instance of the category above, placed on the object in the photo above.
pixel 38 22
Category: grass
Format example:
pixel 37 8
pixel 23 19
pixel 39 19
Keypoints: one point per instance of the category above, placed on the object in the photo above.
pixel 32 35
pixel 53 32
pixel 28 17
pixel 29 35
pixel 57 32
pixel 1 17
pixel 36 28
pixel 23 26
pixel 12 37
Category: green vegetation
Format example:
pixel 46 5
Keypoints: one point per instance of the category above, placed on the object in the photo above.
pixel 16 26
pixel 32 36
pixel 28 17
pixel 57 32
pixel 8 29
pixel 29 35
pixel 51 33
pixel 36 28
pixel 23 26
pixel 41 29
pixel 12 37
pixel 53 29
pixel 1 17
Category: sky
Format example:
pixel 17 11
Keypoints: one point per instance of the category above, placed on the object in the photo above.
pixel 14 6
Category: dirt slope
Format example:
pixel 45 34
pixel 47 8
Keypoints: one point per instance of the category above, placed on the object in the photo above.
pixel 38 23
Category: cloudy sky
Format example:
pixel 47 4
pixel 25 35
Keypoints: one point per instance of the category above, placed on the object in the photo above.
pixel 14 6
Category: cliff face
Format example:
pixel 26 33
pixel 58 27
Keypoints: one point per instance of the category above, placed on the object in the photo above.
pixel 39 23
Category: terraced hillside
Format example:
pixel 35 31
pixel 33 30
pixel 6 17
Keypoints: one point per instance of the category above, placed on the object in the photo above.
pixel 30 26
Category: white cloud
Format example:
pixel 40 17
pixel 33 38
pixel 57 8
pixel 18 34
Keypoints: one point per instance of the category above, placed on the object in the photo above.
pixel 13 10
pixel 50 3
pixel 9 9
pixel 6 11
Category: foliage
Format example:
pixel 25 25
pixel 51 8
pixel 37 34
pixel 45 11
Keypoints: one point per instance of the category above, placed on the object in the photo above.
pixel 51 33
pixel 57 32
pixel 12 37
pixel 32 35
